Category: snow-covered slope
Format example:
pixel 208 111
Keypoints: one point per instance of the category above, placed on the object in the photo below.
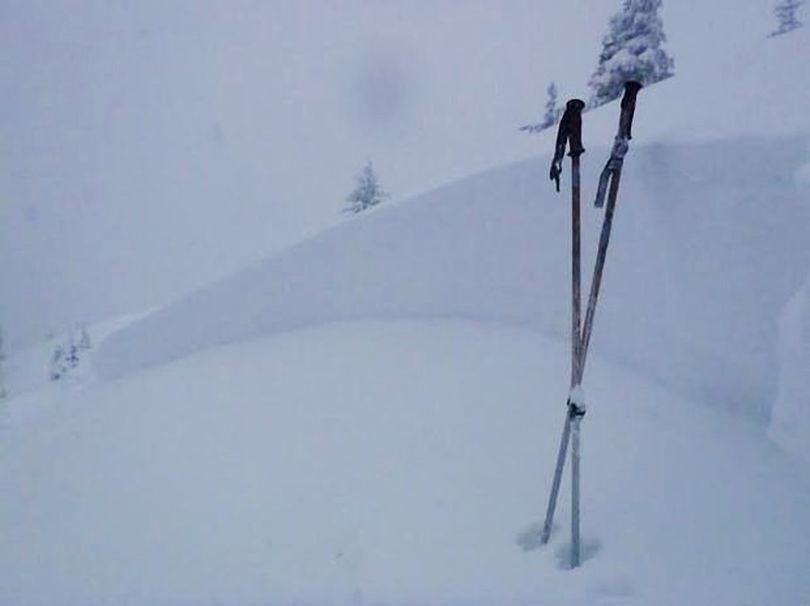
pixel 389 463
pixel 371 416
pixel 712 237
pixel 709 242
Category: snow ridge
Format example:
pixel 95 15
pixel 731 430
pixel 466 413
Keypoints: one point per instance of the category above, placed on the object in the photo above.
pixel 693 285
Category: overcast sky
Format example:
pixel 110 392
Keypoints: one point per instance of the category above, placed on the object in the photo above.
pixel 149 146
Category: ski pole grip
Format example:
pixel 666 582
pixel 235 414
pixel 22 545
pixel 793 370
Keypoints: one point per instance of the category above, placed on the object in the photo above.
pixel 569 132
pixel 573 110
pixel 631 89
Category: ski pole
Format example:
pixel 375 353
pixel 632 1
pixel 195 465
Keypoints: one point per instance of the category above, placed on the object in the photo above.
pixel 614 169
pixel 575 150
pixel 569 132
pixel 612 173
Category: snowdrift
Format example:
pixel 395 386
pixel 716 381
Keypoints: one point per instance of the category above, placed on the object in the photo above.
pixel 712 237
pixel 710 240
pixel 389 463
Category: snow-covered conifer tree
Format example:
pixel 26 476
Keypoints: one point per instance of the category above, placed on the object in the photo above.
pixel 785 11
pixel 367 191
pixel 631 50
pixel 553 112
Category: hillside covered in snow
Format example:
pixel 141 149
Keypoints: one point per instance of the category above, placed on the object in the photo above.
pixel 710 243
pixel 371 415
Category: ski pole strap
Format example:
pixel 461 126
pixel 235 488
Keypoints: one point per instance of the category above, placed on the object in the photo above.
pixel 574 411
pixel 613 166
pixel 569 132
pixel 620 143
pixel 601 189
pixel 631 89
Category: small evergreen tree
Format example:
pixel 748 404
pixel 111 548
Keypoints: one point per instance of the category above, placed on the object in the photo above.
pixel 785 11
pixel 367 191
pixel 553 112
pixel 631 50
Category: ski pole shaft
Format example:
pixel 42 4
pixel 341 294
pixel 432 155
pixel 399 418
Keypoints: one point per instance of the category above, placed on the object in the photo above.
pixel 612 173
pixel 555 483
pixel 576 280
pixel 574 126
pixel 599 267
pixel 575 542
pixel 574 414
pixel 570 133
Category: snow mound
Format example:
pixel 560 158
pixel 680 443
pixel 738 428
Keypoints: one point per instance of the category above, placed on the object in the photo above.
pixel 710 240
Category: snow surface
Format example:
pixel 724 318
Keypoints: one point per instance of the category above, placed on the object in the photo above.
pixel 389 463
pixel 371 416
pixel 709 242
pixel 712 237
pixel 791 415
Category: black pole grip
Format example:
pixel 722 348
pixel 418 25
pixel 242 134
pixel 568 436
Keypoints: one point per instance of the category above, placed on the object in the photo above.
pixel 631 89
pixel 569 132
pixel 574 110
